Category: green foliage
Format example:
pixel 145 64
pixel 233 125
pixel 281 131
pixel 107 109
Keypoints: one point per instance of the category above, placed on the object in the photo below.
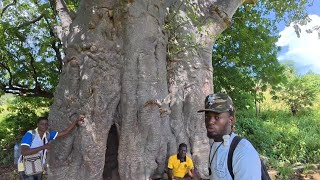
pixel 286 140
pixel 73 4
pixel 30 53
pixel 285 173
pixel 299 91
pixel 289 11
pixel 20 117
pixel 245 55
pixel 245 58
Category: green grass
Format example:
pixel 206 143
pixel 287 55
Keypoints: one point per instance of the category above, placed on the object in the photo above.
pixel 285 139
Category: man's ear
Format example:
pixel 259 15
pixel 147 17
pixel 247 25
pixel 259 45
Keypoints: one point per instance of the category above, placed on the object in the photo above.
pixel 232 120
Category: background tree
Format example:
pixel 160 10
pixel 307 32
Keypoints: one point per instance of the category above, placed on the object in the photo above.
pixel 139 71
pixel 299 91
pixel 245 55
pixel 31 55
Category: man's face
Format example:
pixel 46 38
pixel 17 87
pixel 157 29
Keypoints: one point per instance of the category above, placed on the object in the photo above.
pixel 182 152
pixel 218 124
pixel 43 125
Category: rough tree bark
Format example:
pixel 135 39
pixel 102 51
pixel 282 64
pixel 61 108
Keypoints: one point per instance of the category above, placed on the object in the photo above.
pixel 139 101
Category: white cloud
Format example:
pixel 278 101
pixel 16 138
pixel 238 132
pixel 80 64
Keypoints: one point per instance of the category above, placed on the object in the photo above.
pixel 304 51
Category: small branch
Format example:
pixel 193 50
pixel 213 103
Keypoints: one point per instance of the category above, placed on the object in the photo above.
pixel 250 2
pixel 55 47
pixel 64 15
pixel 35 74
pixel 5 8
pixel 21 91
pixel 57 51
pixel 31 22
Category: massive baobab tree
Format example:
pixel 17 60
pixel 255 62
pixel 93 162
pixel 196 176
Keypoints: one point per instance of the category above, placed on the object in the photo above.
pixel 138 70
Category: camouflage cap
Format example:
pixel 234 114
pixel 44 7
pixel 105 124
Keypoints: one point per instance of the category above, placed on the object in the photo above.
pixel 218 103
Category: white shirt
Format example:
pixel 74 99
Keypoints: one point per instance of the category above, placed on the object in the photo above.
pixel 246 162
pixel 34 141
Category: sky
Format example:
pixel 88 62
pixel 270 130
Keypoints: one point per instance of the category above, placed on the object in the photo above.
pixel 304 51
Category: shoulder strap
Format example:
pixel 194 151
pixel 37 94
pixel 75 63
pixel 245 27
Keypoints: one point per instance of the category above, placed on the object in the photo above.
pixel 233 146
pixel 33 132
pixel 47 136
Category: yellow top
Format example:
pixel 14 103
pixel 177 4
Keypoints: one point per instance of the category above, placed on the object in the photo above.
pixel 179 169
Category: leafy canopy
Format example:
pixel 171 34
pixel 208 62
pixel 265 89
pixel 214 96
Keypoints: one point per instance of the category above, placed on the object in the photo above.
pixel 245 55
pixel 30 53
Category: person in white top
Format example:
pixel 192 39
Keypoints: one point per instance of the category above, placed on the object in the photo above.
pixel 37 141
pixel 219 121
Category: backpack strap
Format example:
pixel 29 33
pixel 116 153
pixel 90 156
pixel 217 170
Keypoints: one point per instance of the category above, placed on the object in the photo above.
pixel 264 172
pixel 233 146
pixel 47 136
pixel 45 140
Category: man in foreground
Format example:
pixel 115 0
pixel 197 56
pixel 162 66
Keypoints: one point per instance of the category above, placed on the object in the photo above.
pixel 220 119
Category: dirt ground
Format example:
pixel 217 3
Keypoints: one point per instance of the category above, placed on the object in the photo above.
pixel 7 173
pixel 314 176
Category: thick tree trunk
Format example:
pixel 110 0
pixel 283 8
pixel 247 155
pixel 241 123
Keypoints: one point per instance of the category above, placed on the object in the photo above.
pixel 139 101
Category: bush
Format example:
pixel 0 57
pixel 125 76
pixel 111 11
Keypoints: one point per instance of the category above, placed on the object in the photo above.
pixel 21 116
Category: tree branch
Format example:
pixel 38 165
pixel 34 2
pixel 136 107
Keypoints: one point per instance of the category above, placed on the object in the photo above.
pixel 5 8
pixel 65 17
pixel 250 2
pixel 20 90
pixel 32 21
pixel 55 47
pixel 216 17
pixel 35 75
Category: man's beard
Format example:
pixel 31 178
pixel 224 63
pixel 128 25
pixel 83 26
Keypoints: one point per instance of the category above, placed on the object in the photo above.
pixel 216 137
